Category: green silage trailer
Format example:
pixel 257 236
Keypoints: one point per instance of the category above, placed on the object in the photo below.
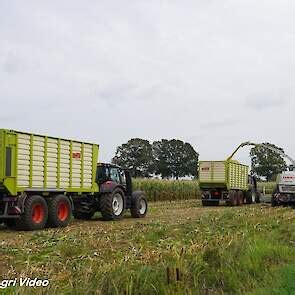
pixel 30 162
pixel 226 181
pixel 44 179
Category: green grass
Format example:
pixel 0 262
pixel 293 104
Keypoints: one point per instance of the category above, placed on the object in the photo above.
pixel 179 248
pixel 283 284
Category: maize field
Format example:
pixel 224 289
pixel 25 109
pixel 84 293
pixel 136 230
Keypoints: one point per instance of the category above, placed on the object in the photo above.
pixel 169 190
pixel 266 187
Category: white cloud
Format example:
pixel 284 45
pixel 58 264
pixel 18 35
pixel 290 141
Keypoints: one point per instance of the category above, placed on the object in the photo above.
pixel 267 100
pixel 106 71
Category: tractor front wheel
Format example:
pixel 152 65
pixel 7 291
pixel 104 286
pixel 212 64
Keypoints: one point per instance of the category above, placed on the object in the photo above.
pixel 139 206
pixel 112 205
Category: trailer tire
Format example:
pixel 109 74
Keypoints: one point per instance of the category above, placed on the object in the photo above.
pixel 232 196
pixel 112 205
pixel 240 198
pixel 139 206
pixel 59 211
pixel 83 215
pixel 35 214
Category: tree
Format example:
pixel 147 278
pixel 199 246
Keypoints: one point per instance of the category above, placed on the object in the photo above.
pixel 266 163
pixel 137 156
pixel 174 158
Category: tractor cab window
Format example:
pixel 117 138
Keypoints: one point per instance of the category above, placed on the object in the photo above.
pixel 101 174
pixel 114 175
pixel 123 177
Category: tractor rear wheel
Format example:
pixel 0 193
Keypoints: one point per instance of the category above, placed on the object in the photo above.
pixel 112 205
pixel 139 206
pixel 35 214
pixel 59 211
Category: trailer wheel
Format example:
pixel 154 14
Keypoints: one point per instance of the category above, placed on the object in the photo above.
pixel 112 205
pixel 59 211
pixel 139 206
pixel 232 198
pixel 240 198
pixel 35 214
pixel 243 198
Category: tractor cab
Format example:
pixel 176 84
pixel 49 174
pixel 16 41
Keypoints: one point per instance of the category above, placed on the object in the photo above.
pixel 115 193
pixel 110 176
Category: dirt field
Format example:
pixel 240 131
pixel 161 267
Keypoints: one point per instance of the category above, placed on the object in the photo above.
pixel 179 248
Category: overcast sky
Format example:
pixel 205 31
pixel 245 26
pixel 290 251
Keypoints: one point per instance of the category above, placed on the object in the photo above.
pixel 210 72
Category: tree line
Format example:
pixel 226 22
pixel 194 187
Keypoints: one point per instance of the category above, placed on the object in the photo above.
pixel 175 159
pixel 167 158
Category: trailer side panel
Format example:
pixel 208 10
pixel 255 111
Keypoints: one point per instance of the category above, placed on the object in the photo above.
pixel 41 163
pixel 227 174
pixel 237 176
pixel 212 172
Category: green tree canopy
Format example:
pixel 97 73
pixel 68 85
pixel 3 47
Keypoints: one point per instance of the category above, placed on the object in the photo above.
pixel 137 156
pixel 174 158
pixel 267 163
